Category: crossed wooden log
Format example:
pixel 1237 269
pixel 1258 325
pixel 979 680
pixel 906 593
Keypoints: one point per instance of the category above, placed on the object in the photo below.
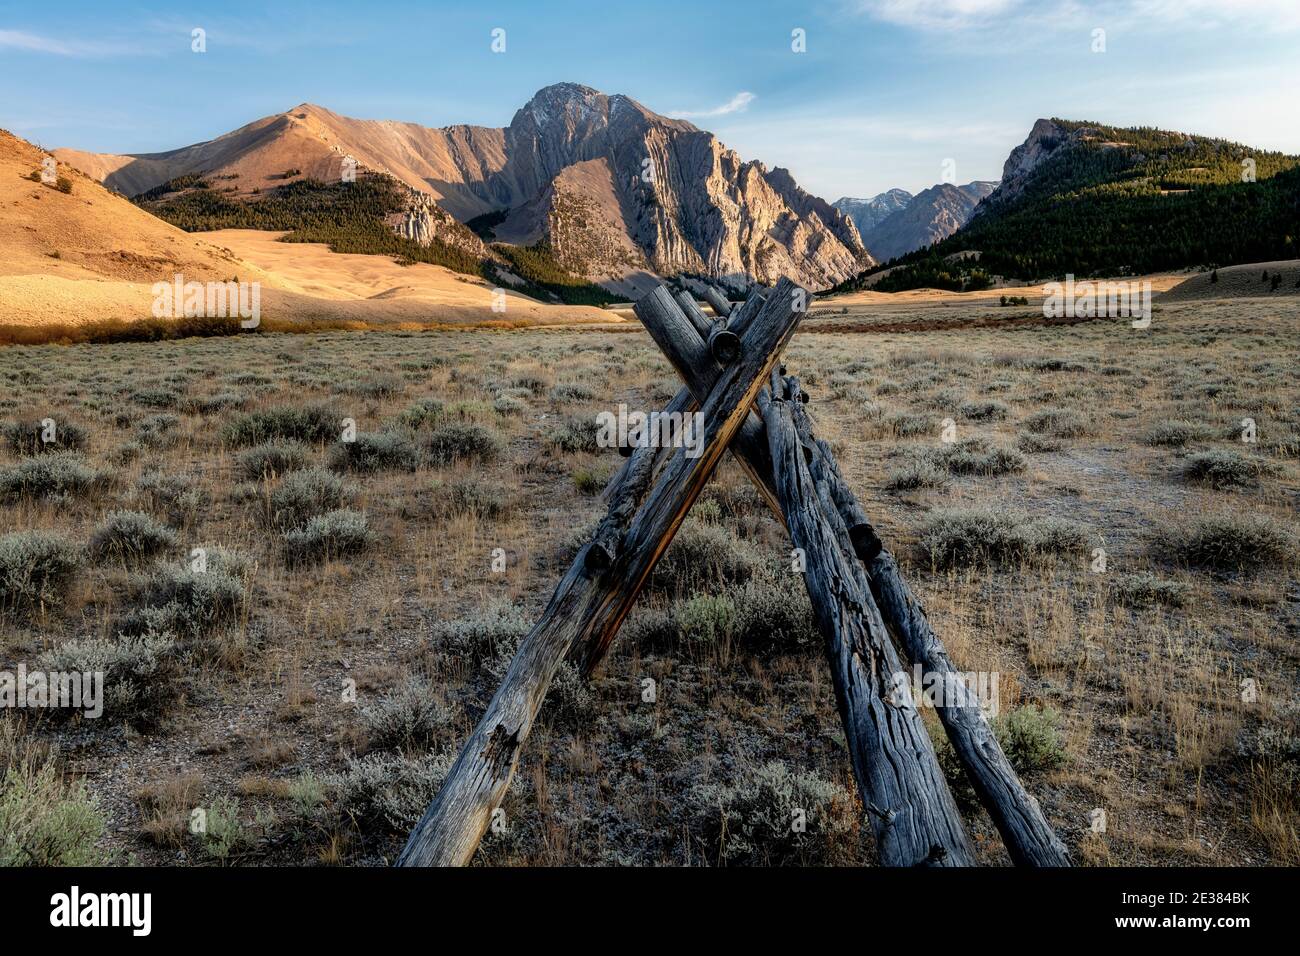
pixel 864 610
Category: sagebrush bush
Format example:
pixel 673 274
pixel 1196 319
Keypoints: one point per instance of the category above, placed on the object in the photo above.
pixel 965 536
pixel 29 437
pixel 306 494
pixel 386 792
pixel 1226 542
pixel 180 497
pixel 917 473
pixel 189 603
pixel 463 441
pixel 131 536
pixel 482 633
pixel 410 715
pixel 976 456
pixel 573 435
pixel 36 570
pixel 311 424
pixel 376 451
pixel 1030 739
pixel 1176 434
pixel 335 534
pixel 702 557
pixel 46 820
pixel 1059 423
pixel 1224 469
pixel 425 413
pixel 57 475
pixel 572 392
pixel 271 459
pixel 984 411
pixel 142 673
pixel 750 820
pixel 486 499
pixel 1143 589
pixel 906 424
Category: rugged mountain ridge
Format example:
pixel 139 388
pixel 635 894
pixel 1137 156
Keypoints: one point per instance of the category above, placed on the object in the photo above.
pixel 1096 200
pixel 610 186
pixel 867 213
pixel 933 214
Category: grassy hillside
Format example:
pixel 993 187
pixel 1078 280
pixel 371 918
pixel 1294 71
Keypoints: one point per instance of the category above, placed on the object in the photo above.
pixel 1121 201
pixel 348 217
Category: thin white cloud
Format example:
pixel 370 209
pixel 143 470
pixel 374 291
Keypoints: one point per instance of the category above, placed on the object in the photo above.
pixel 1152 15
pixel 737 104
pixel 34 43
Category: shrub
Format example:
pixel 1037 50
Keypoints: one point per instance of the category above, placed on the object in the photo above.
pixel 1144 590
pixel 36 568
pixel 1226 542
pixel 223 833
pixel 61 474
pixel 707 619
pixel 482 633
pixel 303 495
pixel 773 613
pixel 158 431
pixel 408 716
pixel 426 412
pixel 976 456
pixel 983 411
pixel 918 473
pixel 271 459
pixel 333 535
pixel 388 792
pixel 462 441
pixel 1058 423
pixel 485 499
pixel 960 536
pixel 179 497
pixel 1224 469
pixel 141 673
pixel 509 405
pixel 905 424
pixel 573 435
pixel 46 821
pixel 591 481
pixel 704 556
pixel 305 423
pixel 377 451
pixel 750 820
pixel 1029 737
pixel 1032 444
pixel 1176 434
pixel 130 536
pixel 28 437
pixel 572 392
pixel 190 603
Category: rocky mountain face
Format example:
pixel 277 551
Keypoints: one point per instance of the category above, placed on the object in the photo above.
pixel 933 214
pixel 613 188
pixel 867 213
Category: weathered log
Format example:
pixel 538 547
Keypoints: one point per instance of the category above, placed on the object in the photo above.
pixel 719 302
pixel 911 810
pixel 585 610
pixel 1028 837
pixel 668 325
pixel 723 342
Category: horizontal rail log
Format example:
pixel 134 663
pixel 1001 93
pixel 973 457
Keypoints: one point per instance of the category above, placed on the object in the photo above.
pixel 586 609
pixel 717 301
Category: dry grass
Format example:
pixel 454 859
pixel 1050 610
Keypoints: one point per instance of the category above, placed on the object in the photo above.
pixel 1140 650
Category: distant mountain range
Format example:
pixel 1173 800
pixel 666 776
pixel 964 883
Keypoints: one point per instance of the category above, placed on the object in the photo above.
pixel 895 222
pixel 580 184
pixel 1091 199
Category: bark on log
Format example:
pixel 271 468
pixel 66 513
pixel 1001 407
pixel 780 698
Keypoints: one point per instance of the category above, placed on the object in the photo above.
pixel 723 342
pixel 585 610
pixel 720 304
pixel 1028 837
pixel 910 808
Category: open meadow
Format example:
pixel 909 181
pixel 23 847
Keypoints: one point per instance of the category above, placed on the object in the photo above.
pixel 282 550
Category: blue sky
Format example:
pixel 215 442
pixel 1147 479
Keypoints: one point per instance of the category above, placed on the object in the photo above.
pixel 886 91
